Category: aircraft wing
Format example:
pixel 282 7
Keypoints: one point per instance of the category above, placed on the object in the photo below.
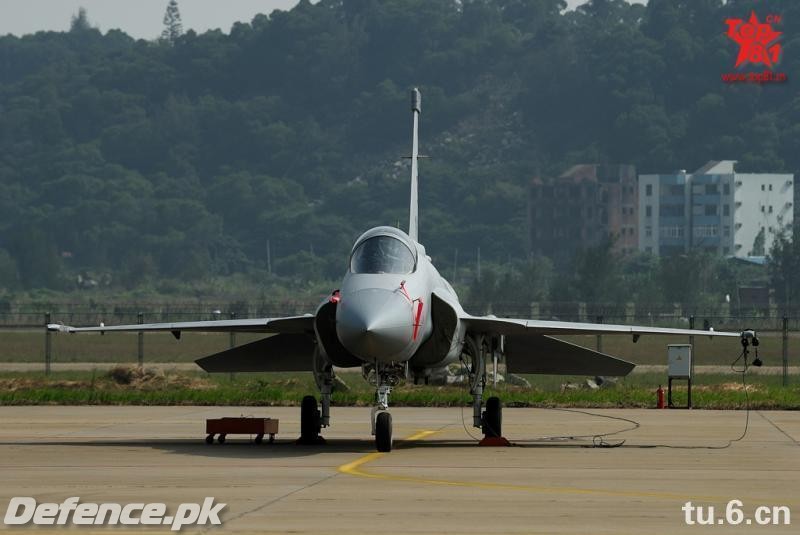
pixel 544 327
pixel 530 347
pixel 288 325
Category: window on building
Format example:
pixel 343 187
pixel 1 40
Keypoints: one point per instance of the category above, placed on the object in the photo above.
pixel 673 189
pixel 649 249
pixel 770 187
pixel 726 189
pixel 770 208
pixel 726 209
pixel 648 231
pixel 706 231
pixel 648 190
pixel 762 207
pixel 726 230
pixel 711 189
pixel 762 187
pixel 648 211
pixel 672 232
pixel 711 209
pixel 672 210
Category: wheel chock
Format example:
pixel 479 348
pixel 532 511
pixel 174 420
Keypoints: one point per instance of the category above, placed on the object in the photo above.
pixel 497 442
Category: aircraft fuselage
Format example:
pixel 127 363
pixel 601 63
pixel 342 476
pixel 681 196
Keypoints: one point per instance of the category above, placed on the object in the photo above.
pixel 384 306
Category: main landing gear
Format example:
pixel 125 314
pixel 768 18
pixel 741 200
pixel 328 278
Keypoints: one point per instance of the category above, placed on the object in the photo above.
pixel 489 421
pixel 312 419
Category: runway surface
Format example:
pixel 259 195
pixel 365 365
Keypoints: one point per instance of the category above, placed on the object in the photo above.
pixel 436 481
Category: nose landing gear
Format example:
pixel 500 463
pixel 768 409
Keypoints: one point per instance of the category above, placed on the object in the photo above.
pixel 383 432
pixel 384 378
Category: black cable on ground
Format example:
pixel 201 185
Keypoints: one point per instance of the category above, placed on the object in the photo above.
pixel 598 439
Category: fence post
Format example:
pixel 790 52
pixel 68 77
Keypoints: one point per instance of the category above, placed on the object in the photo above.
pixel 141 341
pixel 785 351
pixel 232 341
pixel 600 336
pixel 691 342
pixel 48 344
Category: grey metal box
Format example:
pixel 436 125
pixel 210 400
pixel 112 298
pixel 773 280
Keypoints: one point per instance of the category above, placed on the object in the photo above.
pixel 679 360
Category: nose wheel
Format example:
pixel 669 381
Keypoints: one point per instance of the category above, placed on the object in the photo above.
pixel 383 431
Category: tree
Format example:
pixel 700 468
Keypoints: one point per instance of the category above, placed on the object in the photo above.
pixel 80 21
pixel 173 28
pixel 784 269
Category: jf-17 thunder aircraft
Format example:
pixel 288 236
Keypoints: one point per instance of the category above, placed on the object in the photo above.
pixel 397 319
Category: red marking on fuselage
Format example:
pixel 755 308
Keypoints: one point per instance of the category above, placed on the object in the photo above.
pixel 417 319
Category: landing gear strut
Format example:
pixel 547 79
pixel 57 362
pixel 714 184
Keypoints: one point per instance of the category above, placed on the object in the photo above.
pixel 489 421
pixel 312 419
pixel 384 377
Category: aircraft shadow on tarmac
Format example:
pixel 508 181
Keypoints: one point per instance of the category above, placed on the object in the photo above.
pixel 244 449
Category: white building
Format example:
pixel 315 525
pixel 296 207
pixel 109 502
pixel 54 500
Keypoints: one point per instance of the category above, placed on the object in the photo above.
pixel 715 209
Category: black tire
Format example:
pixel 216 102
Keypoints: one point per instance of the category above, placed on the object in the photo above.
pixel 209 439
pixel 493 418
pixel 383 431
pixel 259 439
pixel 309 419
pixel 221 439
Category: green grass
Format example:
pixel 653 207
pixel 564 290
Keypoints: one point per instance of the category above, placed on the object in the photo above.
pixel 717 391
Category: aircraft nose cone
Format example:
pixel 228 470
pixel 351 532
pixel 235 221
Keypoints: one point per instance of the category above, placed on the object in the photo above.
pixel 375 324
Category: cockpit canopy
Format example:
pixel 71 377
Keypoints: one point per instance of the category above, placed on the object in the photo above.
pixel 382 254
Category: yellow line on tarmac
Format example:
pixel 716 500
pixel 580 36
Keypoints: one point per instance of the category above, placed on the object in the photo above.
pixel 354 468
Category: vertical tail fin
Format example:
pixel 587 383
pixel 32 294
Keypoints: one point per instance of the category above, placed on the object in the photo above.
pixel 416 109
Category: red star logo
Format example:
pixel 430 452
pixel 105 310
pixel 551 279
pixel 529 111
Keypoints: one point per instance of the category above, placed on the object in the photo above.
pixel 755 41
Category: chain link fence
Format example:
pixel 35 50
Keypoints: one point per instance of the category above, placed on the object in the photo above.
pixel 24 340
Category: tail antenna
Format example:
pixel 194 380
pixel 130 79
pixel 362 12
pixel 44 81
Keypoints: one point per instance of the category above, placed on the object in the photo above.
pixel 416 109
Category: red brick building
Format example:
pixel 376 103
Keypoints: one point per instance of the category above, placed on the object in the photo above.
pixel 582 207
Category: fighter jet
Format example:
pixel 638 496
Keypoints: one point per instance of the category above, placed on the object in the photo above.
pixel 395 317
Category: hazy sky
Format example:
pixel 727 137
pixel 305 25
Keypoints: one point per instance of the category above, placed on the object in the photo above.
pixel 139 18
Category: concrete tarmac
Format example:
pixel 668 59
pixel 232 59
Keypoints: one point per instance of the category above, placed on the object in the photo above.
pixel 435 481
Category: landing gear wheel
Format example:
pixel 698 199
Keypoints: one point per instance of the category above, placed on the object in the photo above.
pixel 310 422
pixel 493 418
pixel 221 439
pixel 259 439
pixel 209 439
pixel 383 431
